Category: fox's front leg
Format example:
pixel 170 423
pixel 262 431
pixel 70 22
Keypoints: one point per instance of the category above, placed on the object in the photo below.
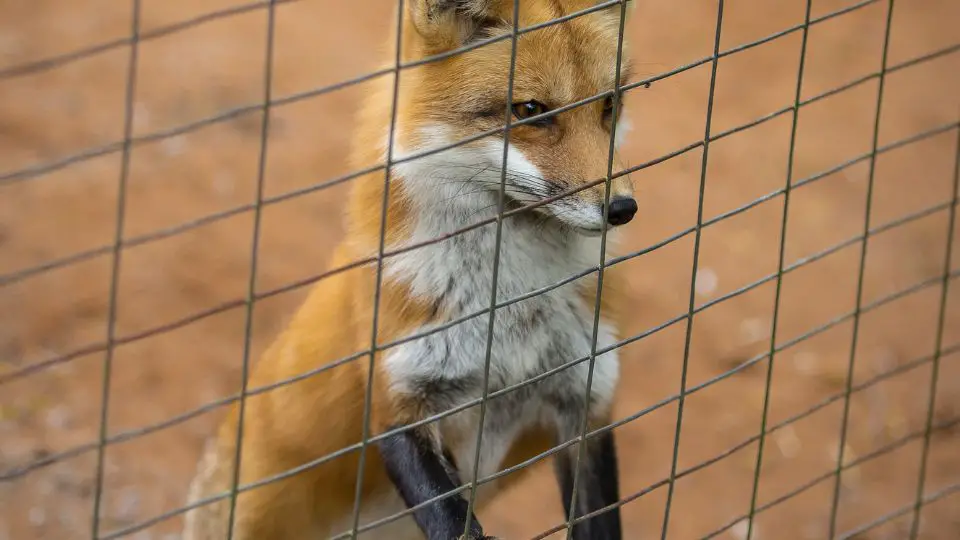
pixel 597 487
pixel 419 470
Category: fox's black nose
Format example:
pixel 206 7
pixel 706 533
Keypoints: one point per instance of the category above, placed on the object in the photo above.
pixel 621 211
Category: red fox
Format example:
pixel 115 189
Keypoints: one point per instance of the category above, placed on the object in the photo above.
pixel 436 286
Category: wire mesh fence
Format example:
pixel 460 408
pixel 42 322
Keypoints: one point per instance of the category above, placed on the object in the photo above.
pixel 872 88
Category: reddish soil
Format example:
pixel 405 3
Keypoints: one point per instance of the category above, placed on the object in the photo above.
pixel 216 66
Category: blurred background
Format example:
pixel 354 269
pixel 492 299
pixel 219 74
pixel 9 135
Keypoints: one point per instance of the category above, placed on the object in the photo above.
pixel 50 112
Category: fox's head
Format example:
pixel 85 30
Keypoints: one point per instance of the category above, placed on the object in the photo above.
pixel 555 145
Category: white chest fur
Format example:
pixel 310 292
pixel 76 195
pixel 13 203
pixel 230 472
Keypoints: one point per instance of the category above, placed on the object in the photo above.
pixel 448 191
pixel 530 337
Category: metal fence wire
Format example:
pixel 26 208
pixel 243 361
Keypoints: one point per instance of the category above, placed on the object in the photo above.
pixel 122 242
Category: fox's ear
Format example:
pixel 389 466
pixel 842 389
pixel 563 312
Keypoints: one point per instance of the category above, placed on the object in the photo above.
pixel 446 24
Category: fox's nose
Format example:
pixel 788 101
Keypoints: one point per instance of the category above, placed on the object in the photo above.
pixel 621 211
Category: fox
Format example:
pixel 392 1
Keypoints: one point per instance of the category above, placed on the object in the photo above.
pixel 425 287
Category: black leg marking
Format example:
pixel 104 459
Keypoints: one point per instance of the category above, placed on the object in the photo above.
pixel 420 472
pixel 598 487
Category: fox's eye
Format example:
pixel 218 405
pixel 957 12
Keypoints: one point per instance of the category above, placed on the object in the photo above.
pixel 608 110
pixel 529 109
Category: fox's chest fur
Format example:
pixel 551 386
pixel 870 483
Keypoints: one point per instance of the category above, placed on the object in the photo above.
pixel 531 337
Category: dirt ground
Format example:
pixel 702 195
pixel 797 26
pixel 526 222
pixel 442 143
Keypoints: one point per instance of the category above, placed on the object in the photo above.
pixel 216 66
